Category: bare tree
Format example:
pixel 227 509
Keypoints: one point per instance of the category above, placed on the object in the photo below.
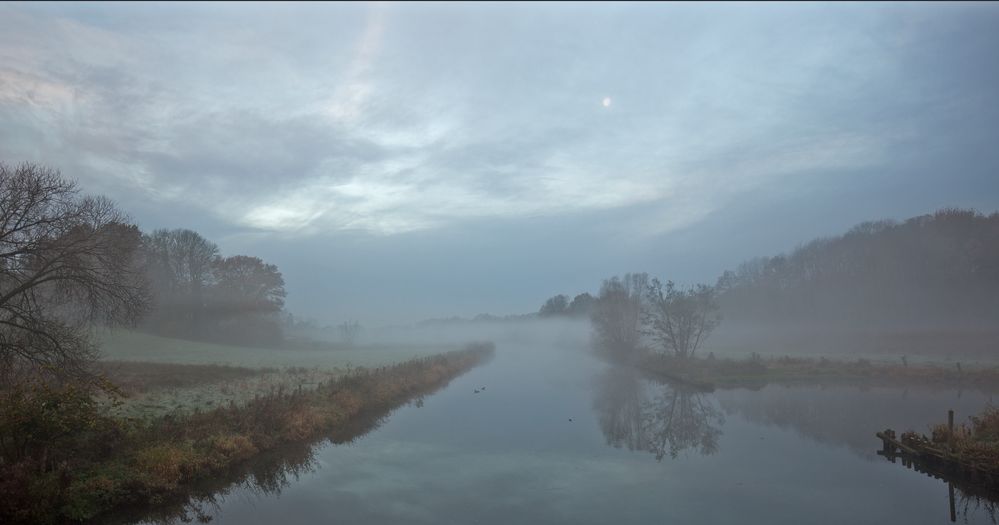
pixel 67 262
pixel 679 320
pixel 349 331
pixel 180 264
pixel 616 314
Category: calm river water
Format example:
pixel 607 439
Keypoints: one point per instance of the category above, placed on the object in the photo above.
pixel 556 436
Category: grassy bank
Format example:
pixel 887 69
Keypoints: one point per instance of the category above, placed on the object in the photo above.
pixel 756 371
pixel 151 390
pixel 162 376
pixel 65 457
pixel 126 345
pixel 134 377
pixel 975 442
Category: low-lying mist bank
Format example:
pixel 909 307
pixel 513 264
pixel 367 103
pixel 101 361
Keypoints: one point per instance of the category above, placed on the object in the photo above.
pixel 138 346
pixel 897 344
pixel 914 343
pixel 738 340
pixel 556 331
pixel 756 371
pixel 65 458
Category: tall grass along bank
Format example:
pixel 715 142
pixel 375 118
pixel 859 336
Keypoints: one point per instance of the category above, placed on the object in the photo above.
pixel 64 457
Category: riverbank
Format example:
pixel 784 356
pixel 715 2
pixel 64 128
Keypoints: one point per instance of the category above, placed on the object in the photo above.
pixel 756 371
pixel 966 454
pixel 66 458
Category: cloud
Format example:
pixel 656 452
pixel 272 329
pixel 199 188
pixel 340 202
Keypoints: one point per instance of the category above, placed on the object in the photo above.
pixel 378 144
pixel 306 123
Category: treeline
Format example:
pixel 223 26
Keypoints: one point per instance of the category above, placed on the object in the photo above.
pixel 636 315
pixel 560 306
pixel 479 318
pixel 197 293
pixel 299 330
pixel 932 271
pixel 70 262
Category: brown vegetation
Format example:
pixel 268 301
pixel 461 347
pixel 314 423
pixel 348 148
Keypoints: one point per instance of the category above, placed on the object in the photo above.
pixel 63 458
pixel 977 442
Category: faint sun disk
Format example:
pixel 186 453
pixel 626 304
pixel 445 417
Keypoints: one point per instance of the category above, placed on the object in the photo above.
pixel 606 102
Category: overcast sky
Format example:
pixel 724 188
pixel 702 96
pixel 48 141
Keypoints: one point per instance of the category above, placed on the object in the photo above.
pixel 400 162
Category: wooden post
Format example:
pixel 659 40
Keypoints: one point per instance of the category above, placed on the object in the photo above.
pixel 950 494
pixel 950 427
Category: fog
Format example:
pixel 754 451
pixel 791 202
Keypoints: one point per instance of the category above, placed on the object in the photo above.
pixel 499 262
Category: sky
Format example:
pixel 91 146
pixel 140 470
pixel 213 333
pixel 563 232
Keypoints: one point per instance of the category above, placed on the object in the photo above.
pixel 407 161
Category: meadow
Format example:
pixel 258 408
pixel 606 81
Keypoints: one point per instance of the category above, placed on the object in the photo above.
pixel 158 376
pixel 124 345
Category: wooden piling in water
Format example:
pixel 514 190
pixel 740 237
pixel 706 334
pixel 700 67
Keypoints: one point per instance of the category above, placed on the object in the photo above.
pixel 950 496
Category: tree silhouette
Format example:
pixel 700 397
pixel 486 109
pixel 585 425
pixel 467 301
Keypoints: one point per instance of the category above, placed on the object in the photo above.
pixel 67 261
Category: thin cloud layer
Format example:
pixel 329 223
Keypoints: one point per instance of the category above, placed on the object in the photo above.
pixel 385 119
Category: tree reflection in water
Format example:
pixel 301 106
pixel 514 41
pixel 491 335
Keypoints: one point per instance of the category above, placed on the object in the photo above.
pixel 656 417
pixel 970 505
pixel 266 475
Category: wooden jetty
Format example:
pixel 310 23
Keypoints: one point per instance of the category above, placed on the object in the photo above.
pixel 971 476
pixel 937 457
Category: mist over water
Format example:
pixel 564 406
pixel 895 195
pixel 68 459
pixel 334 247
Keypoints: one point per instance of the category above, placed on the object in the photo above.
pixel 558 436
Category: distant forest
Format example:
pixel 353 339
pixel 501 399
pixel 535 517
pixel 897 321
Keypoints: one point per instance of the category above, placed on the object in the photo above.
pixel 198 294
pixel 928 272
pixel 936 273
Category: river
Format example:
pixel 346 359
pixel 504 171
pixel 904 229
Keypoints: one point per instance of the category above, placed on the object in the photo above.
pixel 557 436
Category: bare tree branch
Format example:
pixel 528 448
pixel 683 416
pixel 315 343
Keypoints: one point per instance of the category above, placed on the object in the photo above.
pixel 67 261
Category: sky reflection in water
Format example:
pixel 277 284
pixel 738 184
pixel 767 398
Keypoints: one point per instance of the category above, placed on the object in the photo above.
pixel 634 451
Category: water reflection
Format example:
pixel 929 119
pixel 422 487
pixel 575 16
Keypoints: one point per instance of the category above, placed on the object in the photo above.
pixel 266 475
pixel 263 476
pixel 973 505
pixel 509 455
pixel 655 417
pixel 639 414
pixel 849 415
pixel 966 496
